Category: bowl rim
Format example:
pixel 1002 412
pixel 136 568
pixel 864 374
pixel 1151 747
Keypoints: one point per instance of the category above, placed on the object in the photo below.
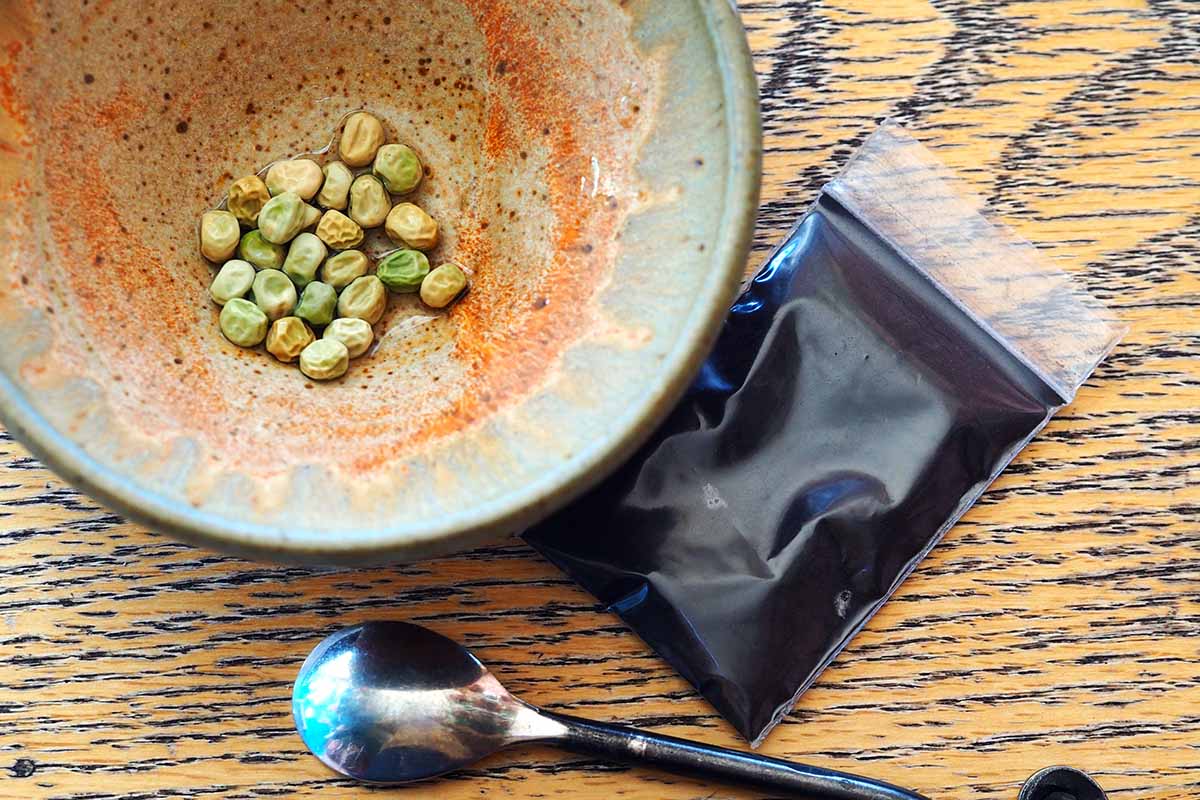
pixel 514 510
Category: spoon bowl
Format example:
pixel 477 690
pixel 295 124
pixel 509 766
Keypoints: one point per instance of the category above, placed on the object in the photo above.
pixel 393 703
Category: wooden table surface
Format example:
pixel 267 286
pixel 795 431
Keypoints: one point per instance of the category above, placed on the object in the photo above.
pixel 1059 622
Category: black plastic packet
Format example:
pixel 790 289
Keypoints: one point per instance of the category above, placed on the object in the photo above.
pixel 884 366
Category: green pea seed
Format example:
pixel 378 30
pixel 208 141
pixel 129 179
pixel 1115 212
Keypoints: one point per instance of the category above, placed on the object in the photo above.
pixel 356 334
pixel 403 270
pixel 259 252
pixel 442 285
pixel 274 293
pixel 233 280
pixel 336 191
pixel 317 303
pixel 304 259
pixel 243 323
pixel 288 337
pixel 281 218
pixel 219 232
pixel 398 167
pixel 369 201
pixel 365 298
pixel 340 270
pixel 324 360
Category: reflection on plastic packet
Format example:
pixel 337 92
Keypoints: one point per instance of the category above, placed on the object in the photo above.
pixel 887 362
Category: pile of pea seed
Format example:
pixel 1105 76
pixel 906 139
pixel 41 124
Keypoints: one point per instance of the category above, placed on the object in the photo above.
pixel 287 281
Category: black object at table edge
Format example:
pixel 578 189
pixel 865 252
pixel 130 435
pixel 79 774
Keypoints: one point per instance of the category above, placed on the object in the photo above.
pixel 1061 783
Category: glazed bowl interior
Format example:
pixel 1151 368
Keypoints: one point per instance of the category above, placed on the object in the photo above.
pixel 593 165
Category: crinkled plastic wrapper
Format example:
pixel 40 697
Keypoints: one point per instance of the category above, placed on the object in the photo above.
pixel 884 366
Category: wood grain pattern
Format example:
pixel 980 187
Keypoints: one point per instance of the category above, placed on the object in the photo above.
pixel 1059 622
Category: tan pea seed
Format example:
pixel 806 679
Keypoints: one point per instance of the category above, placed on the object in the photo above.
pixel 219 235
pixel 246 198
pixel 369 201
pixel 311 216
pixel 233 280
pixel 442 285
pixel 361 138
pixel 304 259
pixel 340 270
pixel 287 337
pixel 410 226
pixel 365 299
pixel 336 191
pixel 339 231
pixel 356 334
pixel 274 293
pixel 324 360
pixel 300 175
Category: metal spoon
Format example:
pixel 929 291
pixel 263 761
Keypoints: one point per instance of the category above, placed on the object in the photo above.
pixel 390 702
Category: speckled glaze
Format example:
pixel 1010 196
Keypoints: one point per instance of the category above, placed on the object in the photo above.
pixel 594 166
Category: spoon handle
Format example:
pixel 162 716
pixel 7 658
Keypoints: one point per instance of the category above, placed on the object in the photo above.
pixel 615 742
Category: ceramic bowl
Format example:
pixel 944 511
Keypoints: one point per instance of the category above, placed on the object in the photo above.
pixel 595 166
